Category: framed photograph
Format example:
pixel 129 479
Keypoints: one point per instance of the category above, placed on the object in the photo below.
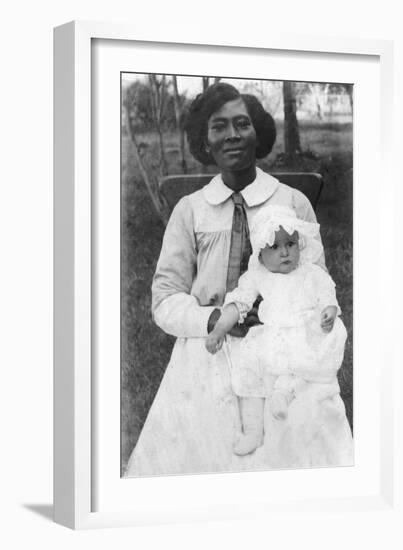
pixel 163 412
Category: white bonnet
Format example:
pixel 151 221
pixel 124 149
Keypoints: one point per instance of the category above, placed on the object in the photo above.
pixel 269 219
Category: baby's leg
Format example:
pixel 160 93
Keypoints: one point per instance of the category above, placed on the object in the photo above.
pixel 252 414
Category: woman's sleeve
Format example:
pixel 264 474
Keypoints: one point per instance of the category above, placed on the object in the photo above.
pixel 174 310
pixel 304 211
pixel 244 295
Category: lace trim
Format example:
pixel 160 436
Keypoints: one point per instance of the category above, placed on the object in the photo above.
pixel 269 220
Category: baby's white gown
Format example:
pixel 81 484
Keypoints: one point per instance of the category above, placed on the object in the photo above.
pixel 290 342
pixel 194 420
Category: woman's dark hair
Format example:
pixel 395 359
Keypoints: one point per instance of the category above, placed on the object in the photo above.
pixel 210 101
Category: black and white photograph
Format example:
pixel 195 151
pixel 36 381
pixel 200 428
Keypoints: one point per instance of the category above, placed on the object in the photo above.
pixel 236 274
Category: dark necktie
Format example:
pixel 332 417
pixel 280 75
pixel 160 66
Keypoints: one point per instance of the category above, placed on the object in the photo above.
pixel 240 248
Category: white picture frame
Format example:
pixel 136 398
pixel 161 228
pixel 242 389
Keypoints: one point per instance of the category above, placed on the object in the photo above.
pixel 75 390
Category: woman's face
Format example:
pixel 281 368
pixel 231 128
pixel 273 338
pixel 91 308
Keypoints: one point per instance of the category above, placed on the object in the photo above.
pixel 231 137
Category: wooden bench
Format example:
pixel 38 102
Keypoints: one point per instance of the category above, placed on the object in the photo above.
pixel 175 187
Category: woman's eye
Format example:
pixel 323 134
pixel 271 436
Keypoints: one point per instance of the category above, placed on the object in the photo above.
pixel 291 243
pixel 218 127
pixel 243 124
pixel 274 247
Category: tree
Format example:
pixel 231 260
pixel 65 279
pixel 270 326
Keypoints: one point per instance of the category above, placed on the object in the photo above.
pixel 349 90
pixel 138 99
pixel 319 91
pixel 158 101
pixel 179 116
pixel 139 96
pixel 292 144
pixel 151 183
pixel 206 81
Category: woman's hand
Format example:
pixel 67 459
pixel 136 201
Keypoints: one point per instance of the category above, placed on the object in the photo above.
pixel 251 320
pixel 327 318
pixel 214 342
pixel 241 329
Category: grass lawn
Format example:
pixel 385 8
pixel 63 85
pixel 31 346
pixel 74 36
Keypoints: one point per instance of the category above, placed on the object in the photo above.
pixel 145 348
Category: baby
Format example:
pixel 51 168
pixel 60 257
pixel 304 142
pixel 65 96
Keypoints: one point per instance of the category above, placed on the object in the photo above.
pixel 302 338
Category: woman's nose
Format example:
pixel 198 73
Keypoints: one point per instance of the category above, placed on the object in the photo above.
pixel 232 132
pixel 284 251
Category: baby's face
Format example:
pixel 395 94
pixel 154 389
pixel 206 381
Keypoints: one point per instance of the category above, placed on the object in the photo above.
pixel 283 255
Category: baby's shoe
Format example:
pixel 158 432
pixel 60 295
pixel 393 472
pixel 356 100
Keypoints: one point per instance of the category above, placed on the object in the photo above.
pixel 252 421
pixel 279 406
pixel 248 442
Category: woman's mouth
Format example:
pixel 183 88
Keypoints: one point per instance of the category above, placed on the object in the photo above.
pixel 233 151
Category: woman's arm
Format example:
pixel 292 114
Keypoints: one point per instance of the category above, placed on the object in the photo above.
pixel 174 309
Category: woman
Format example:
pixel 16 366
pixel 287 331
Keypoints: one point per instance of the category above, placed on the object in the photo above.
pixel 191 424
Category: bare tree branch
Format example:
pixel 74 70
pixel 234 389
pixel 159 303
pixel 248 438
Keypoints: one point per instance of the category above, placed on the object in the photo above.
pixel 159 203
pixel 178 116
pixel 157 108
pixel 292 143
pixel 206 82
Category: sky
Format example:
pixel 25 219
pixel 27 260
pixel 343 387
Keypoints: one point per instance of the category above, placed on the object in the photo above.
pixel 269 92
pixel 188 85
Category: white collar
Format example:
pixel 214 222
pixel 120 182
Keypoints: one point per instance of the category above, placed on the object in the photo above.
pixel 257 192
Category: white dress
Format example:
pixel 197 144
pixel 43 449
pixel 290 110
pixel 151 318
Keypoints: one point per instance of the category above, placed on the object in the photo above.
pixel 290 343
pixel 192 422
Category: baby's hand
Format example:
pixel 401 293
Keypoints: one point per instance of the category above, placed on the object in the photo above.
pixel 214 342
pixel 327 318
